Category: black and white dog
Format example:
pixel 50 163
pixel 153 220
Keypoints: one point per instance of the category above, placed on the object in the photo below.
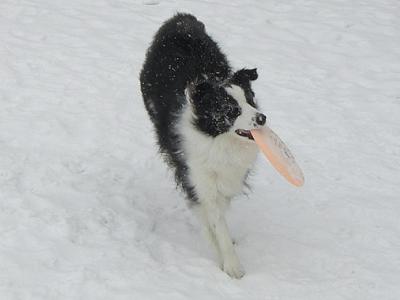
pixel 202 113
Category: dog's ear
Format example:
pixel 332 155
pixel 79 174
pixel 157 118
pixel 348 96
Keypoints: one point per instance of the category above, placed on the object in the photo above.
pixel 252 74
pixel 244 75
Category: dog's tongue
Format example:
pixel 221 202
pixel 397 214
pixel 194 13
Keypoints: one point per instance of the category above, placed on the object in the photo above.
pixel 278 154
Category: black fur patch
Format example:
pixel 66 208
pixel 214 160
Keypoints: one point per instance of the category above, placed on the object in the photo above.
pixel 214 109
pixel 242 78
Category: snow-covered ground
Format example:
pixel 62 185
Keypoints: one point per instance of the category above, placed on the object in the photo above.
pixel 89 211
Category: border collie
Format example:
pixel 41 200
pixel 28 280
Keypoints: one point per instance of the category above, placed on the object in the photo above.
pixel 202 112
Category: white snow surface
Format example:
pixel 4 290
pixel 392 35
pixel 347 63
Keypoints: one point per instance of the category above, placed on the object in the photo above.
pixel 88 210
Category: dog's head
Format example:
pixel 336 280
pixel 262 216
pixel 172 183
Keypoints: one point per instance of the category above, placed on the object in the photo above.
pixel 227 108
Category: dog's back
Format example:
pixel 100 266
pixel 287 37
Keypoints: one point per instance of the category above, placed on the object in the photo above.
pixel 181 53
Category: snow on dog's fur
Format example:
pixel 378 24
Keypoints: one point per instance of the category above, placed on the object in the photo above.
pixel 202 113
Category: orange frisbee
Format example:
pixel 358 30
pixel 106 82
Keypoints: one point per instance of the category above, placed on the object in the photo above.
pixel 278 154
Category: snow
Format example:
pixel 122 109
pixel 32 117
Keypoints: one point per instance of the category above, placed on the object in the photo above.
pixel 89 211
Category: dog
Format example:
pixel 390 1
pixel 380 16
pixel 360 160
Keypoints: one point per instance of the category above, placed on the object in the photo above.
pixel 202 113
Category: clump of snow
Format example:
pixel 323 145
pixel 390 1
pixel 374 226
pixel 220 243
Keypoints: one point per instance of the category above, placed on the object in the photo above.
pixel 89 211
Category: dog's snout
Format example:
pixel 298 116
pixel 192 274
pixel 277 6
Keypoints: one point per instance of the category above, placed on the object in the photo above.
pixel 261 119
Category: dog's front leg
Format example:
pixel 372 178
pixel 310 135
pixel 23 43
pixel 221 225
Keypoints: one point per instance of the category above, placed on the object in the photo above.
pixel 230 261
pixel 212 217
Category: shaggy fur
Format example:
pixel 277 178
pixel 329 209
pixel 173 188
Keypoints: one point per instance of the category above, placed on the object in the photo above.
pixel 202 113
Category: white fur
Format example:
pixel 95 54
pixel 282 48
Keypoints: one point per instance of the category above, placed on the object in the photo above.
pixel 217 169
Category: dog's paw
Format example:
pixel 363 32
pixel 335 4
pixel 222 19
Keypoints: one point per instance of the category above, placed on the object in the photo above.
pixel 233 268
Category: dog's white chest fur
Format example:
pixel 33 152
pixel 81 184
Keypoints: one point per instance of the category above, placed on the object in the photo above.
pixel 216 164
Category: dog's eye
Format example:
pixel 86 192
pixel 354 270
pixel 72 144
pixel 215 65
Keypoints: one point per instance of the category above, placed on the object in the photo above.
pixel 236 111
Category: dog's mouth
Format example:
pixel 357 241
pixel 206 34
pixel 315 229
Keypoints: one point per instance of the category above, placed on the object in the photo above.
pixel 244 133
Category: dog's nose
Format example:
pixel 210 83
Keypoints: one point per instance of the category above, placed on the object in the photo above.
pixel 260 119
